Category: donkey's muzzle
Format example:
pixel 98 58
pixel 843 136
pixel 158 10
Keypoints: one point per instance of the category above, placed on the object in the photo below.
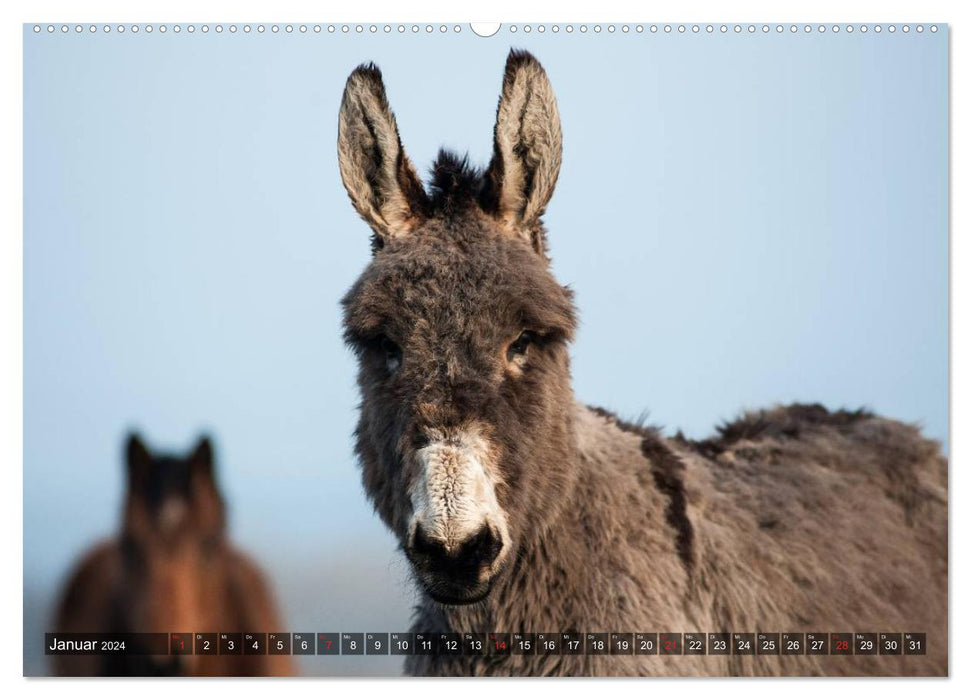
pixel 455 572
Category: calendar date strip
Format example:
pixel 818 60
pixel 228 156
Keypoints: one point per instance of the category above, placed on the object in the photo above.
pixel 490 644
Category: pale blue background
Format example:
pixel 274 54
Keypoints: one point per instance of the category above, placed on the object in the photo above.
pixel 745 220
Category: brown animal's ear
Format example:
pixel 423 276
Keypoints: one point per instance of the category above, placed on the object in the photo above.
pixel 378 176
pixel 201 460
pixel 138 460
pixel 207 501
pixel 527 149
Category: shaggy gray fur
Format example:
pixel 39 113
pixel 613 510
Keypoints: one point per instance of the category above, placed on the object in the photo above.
pixel 794 519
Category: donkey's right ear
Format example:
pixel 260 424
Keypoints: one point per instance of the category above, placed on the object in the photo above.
pixel 382 183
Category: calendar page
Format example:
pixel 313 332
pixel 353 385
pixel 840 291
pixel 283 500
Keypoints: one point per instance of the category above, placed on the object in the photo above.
pixel 516 349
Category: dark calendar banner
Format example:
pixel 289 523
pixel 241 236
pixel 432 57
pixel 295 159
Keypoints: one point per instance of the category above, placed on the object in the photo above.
pixel 491 644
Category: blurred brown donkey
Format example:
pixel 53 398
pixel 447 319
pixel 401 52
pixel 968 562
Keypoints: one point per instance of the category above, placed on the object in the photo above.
pixel 171 569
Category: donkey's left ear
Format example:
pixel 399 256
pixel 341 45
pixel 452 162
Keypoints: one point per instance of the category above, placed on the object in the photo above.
pixel 527 149
pixel 381 181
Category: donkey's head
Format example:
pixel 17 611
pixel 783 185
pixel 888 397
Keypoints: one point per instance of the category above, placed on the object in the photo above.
pixel 172 537
pixel 460 331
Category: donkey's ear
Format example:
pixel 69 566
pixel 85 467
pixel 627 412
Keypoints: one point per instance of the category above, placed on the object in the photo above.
pixel 527 149
pixel 378 176
pixel 137 459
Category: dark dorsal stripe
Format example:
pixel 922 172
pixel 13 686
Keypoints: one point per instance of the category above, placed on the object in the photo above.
pixel 667 470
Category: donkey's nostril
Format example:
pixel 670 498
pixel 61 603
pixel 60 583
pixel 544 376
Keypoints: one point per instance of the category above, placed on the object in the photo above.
pixel 484 547
pixel 481 549
pixel 426 546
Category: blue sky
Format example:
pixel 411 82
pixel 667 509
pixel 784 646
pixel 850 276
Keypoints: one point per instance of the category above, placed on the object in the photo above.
pixel 745 220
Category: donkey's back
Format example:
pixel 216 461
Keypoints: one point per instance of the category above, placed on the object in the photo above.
pixel 807 519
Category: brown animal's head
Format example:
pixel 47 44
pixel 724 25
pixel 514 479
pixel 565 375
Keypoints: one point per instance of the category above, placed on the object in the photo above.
pixel 172 537
pixel 460 331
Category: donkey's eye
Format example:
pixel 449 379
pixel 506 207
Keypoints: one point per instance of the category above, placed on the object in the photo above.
pixel 520 345
pixel 391 353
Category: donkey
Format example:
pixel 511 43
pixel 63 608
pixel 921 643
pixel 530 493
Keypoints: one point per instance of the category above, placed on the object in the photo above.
pixel 522 510
pixel 171 570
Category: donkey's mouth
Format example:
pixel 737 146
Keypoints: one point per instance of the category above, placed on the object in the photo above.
pixel 454 585
pixel 451 593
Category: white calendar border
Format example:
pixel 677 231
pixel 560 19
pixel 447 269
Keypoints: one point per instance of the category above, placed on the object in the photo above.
pixel 603 11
